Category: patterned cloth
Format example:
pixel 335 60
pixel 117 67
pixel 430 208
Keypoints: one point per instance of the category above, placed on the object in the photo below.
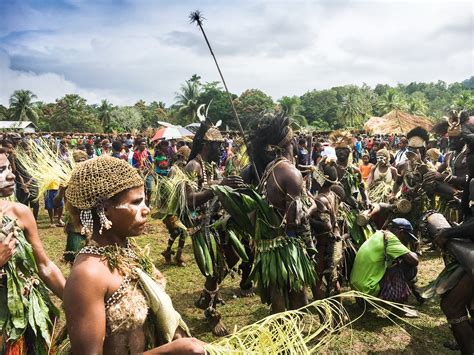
pixel 393 286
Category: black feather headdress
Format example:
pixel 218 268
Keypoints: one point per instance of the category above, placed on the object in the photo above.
pixel 417 137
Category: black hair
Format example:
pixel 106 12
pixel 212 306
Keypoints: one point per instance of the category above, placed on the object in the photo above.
pixel 270 130
pixel 419 132
pixel 117 145
pixel 198 141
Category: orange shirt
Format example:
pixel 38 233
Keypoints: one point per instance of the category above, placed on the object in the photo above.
pixel 365 170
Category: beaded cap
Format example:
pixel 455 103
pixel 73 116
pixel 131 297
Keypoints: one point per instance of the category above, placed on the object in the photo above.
pixel 99 179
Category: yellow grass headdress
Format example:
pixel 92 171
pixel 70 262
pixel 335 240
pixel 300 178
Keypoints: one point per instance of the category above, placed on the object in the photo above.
pixel 341 139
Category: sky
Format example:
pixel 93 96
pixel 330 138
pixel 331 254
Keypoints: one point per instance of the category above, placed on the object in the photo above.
pixel 126 50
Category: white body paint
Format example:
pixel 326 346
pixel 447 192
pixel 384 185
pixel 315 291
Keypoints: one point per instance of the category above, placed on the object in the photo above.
pixel 3 178
pixel 48 269
pixel 138 210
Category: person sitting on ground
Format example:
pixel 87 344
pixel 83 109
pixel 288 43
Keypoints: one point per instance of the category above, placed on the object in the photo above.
pixel 384 266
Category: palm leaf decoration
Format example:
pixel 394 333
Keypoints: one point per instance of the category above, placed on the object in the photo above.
pixel 307 330
pixel 280 261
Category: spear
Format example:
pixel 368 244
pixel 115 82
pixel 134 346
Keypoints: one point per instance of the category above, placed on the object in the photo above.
pixel 196 17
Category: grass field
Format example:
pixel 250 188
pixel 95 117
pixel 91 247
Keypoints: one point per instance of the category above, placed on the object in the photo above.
pixel 371 334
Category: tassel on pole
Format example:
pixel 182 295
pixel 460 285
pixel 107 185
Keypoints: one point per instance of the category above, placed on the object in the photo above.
pixel 197 18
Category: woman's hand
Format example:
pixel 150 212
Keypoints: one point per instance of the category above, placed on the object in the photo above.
pixel 180 346
pixel 7 249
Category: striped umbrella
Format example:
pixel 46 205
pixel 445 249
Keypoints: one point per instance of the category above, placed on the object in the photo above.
pixel 172 132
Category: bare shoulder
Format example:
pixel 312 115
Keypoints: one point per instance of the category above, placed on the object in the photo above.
pixel 290 178
pixel 18 211
pixel 88 270
pixel 193 167
pixel 288 170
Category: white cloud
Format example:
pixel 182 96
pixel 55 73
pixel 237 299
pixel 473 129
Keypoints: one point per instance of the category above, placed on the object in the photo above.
pixel 48 86
pixel 145 50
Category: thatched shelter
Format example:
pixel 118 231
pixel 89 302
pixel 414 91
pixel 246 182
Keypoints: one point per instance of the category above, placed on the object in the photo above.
pixel 396 122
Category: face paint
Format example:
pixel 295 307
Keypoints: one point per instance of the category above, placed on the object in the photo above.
pixel 138 209
pixel 3 177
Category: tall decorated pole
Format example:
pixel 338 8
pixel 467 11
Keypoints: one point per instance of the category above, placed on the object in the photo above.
pixel 196 17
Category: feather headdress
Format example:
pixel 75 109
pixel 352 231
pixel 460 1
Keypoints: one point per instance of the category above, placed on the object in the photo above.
pixel 212 133
pixel 341 139
pixel 417 137
pixel 451 125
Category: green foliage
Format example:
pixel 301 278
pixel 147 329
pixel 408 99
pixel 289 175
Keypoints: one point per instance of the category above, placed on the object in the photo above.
pixel 72 114
pixel 339 107
pixel 3 113
pixel 220 108
pixel 391 100
pixel 251 104
pixel 319 125
pixel 292 107
pixel 187 101
pixel 104 112
pixel 22 107
pixel 125 119
pixel 469 83
pixel 465 101
pixel 320 106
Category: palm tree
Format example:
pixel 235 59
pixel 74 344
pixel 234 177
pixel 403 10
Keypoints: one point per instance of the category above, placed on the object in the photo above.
pixel 391 100
pixel 417 106
pixel 351 109
pixel 22 106
pixel 195 79
pixel 187 101
pixel 291 106
pixel 3 113
pixel 104 113
pixel 465 101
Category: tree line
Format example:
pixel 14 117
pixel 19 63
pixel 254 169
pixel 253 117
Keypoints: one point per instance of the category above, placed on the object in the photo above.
pixel 346 106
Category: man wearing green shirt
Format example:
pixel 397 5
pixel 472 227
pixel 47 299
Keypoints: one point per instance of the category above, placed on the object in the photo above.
pixel 384 265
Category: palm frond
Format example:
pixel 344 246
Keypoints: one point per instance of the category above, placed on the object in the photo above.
pixel 303 331
pixel 45 167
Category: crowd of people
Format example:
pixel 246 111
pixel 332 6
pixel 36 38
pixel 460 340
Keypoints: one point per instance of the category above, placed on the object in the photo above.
pixel 302 215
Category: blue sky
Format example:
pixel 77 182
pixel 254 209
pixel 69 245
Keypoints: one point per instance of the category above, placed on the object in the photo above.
pixel 129 50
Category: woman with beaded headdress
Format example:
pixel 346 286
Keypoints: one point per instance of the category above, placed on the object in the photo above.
pixel 124 308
